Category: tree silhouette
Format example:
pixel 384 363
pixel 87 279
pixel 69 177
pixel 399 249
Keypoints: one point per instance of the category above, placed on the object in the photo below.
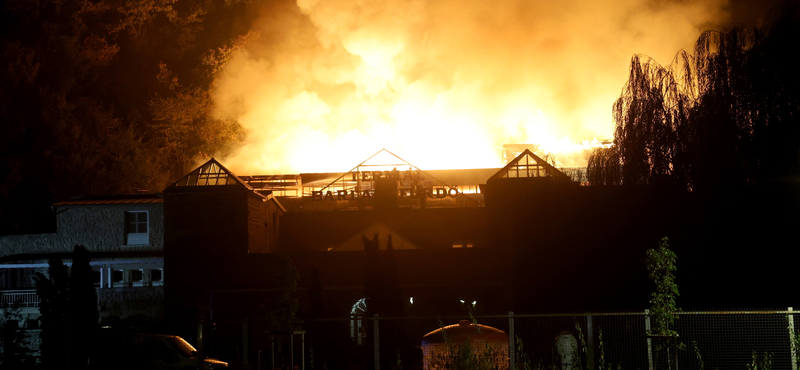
pixel 53 308
pixel 88 105
pixel 724 116
pixel 68 312
pixel 83 315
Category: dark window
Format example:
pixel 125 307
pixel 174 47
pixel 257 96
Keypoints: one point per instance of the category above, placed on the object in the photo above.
pixel 96 278
pixel 136 277
pixel 116 277
pixel 136 228
pixel 137 222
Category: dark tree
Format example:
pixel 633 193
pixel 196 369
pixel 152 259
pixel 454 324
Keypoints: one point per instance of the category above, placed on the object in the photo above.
pixel 88 102
pixel 14 339
pixel 53 309
pixel 83 318
pixel 604 167
pixel 726 116
pixel 68 308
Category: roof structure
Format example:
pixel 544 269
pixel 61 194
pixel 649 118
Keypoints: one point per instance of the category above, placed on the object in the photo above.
pixel 211 173
pixel 113 199
pixel 528 165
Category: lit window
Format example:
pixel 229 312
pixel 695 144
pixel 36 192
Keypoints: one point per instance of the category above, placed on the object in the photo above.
pixel 137 231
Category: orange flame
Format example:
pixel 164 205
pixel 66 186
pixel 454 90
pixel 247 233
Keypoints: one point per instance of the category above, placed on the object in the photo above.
pixel 442 84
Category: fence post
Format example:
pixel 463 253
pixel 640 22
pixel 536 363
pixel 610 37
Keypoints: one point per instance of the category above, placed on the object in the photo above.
pixel 792 336
pixel 272 351
pixel 590 344
pixel 512 356
pixel 200 348
pixel 245 344
pixel 291 350
pixel 376 342
pixel 649 340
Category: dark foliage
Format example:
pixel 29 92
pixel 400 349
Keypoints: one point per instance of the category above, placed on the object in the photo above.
pixel 83 316
pixel 53 308
pixel 726 116
pixel 89 104
pixel 15 339
pixel 68 308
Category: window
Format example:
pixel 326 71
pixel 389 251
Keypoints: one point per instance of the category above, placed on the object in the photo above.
pixel 156 277
pixel 137 231
pixel 97 277
pixel 117 278
pixel 137 277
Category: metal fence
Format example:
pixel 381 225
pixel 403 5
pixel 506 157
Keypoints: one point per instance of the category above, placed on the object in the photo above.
pixel 707 340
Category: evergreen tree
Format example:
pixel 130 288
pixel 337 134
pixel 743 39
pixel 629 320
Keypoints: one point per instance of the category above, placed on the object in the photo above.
pixel 53 308
pixel 83 317
pixel 68 312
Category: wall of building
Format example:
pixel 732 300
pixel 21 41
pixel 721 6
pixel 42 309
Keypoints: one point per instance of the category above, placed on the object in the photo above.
pixel 434 228
pixel 206 236
pixel 100 228
pixel 263 223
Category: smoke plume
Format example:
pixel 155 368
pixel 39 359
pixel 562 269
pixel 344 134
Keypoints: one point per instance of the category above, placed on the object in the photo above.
pixel 443 84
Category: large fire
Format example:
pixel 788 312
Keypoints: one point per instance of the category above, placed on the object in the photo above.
pixel 443 84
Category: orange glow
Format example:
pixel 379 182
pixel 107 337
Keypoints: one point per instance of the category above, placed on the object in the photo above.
pixel 442 84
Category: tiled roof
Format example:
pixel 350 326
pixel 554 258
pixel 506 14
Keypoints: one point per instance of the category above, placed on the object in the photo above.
pixel 112 199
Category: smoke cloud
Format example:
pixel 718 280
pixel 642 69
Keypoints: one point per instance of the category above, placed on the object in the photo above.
pixel 443 84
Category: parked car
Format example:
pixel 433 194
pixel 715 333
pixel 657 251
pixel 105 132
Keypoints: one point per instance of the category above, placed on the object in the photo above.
pixel 133 350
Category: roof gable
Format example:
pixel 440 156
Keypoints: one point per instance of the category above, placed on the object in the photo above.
pixel 211 173
pixel 355 242
pixel 528 165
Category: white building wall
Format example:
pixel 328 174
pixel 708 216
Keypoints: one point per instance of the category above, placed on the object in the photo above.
pixel 99 228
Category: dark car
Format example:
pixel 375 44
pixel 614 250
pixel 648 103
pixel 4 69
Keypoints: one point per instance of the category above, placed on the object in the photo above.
pixel 134 350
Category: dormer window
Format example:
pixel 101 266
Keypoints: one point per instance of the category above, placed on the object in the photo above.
pixel 137 230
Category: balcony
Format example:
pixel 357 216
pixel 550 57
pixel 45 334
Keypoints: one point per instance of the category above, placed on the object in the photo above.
pixel 19 298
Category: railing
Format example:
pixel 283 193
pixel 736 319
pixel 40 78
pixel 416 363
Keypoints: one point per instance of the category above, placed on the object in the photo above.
pixel 19 298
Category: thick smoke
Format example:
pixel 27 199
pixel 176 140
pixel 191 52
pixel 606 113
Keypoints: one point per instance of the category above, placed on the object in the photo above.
pixel 443 84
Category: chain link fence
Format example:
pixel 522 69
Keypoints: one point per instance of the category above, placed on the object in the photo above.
pixel 732 339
